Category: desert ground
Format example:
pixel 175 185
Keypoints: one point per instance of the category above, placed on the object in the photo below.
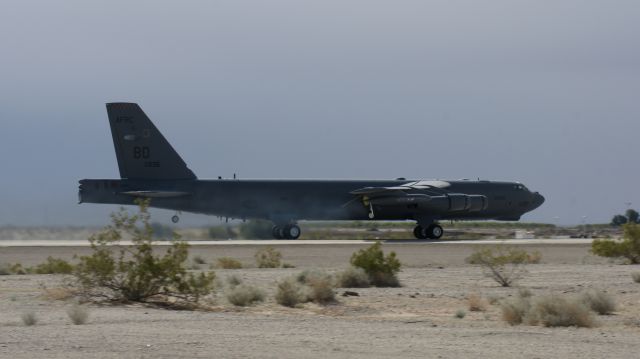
pixel 416 320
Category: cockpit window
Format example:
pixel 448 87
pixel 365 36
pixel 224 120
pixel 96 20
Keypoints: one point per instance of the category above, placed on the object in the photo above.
pixel 521 187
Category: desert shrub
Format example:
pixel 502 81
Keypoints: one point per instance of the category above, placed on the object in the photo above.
pixel 504 264
pixel 78 314
pixel 4 270
pixel 290 293
pixel 524 292
pixel 636 277
pixel 599 301
pixel 59 293
pixel 244 295
pixel 306 276
pixel 118 272
pixel 256 228
pixel 199 260
pixel 287 265
pixel 234 280
pixel 515 310
pixel 628 247
pixel 380 269
pixel 268 257
pixel 221 232
pixel 352 277
pixel 556 311
pixel 29 318
pixel 320 289
pixel 534 257
pixel 53 266
pixel 476 303
pixel 460 314
pixel 228 263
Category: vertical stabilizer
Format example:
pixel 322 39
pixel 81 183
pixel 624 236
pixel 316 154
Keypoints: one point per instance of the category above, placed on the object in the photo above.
pixel 142 151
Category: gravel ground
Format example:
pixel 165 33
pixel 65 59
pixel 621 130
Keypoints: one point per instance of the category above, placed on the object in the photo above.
pixel 416 320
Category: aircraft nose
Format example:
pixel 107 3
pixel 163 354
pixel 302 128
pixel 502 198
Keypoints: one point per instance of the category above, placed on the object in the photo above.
pixel 537 201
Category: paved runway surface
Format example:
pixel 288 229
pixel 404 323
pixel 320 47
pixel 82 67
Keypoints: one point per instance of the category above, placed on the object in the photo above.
pixel 273 242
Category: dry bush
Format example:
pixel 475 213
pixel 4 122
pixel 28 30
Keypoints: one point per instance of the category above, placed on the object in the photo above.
pixel 515 310
pixel 352 277
pixel 268 257
pixel 504 264
pixel 308 275
pixel 244 295
pixel 229 263
pixel 234 280
pixel 133 272
pixel 381 269
pixel 61 293
pixel 494 299
pixel 476 303
pixel 534 257
pixel 525 293
pixel 556 311
pixel 29 318
pixel 599 301
pixel 636 277
pixel 290 293
pixel 78 314
pixel 288 265
pixel 321 290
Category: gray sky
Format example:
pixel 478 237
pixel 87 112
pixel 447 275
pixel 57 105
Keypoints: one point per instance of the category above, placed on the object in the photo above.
pixel 544 92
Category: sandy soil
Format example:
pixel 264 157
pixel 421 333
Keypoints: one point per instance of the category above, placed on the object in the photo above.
pixel 416 320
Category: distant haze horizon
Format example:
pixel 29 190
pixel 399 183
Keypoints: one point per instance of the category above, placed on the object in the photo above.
pixel 541 92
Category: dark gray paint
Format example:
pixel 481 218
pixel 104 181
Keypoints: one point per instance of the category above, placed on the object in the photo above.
pixel 151 168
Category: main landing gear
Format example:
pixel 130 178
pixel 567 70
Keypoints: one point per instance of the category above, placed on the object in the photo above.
pixel 289 231
pixel 432 231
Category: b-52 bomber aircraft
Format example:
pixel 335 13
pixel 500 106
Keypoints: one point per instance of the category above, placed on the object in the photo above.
pixel 151 168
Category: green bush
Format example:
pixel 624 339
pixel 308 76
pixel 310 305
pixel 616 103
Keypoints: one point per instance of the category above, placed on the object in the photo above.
pixel 53 266
pixel 353 277
pixel 268 257
pixel 628 247
pixel 504 264
pixel 228 263
pixel 118 272
pixel 244 295
pixel 290 293
pixel 256 229
pixel 380 269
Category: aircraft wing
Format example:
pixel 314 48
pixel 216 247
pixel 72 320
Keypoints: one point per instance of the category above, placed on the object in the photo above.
pixel 399 190
pixel 155 194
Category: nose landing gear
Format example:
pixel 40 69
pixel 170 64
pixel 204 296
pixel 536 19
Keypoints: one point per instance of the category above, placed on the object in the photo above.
pixel 433 231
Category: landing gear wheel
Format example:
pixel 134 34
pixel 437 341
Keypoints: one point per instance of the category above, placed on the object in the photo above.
pixel 277 232
pixel 434 231
pixel 292 231
pixel 420 232
pixel 175 219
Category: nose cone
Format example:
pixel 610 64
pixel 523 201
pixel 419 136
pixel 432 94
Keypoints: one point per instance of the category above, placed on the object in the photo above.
pixel 537 201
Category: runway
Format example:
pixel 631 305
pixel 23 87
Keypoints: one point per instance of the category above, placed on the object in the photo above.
pixel 274 242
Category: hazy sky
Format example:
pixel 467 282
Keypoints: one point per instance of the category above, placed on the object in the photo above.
pixel 544 92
